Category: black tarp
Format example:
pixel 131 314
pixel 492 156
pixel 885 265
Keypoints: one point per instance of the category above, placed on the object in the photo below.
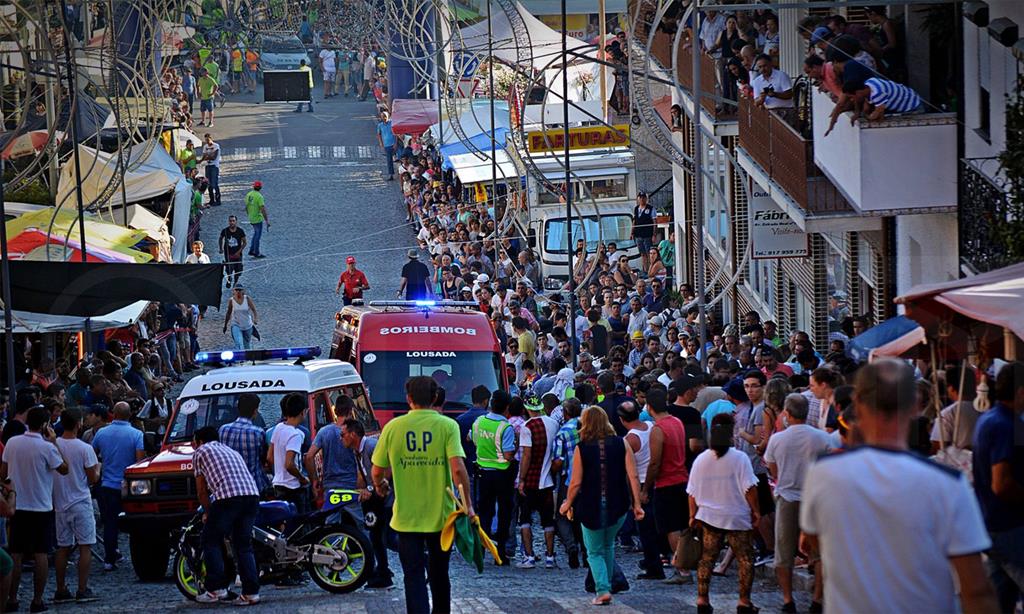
pixel 97 288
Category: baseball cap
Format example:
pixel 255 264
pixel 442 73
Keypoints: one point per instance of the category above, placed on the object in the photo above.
pixel 656 321
pixel 414 254
pixel 483 278
pixel 257 184
pixel 735 389
pixel 350 260
pixel 465 289
pixel 821 33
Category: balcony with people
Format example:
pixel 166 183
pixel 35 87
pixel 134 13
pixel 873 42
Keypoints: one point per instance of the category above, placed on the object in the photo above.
pixel 776 150
pixel 865 118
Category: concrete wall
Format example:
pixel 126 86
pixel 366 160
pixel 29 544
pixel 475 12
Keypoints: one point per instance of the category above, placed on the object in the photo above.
pixel 1002 69
pixel 926 250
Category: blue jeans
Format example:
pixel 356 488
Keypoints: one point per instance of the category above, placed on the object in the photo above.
pixel 109 500
pixel 257 234
pixel 601 554
pixel 232 518
pixel 213 176
pixel 389 155
pixel 310 103
pixel 242 338
pixel 1005 563
pixel 423 560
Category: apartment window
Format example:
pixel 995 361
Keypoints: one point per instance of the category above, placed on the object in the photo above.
pixel 716 216
pixel 868 288
pixel 984 87
pixel 837 267
pixel 804 311
pixel 761 281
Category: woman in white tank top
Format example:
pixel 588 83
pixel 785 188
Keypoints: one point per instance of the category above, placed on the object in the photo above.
pixel 242 317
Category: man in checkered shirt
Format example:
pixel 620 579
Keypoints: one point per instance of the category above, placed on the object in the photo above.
pixel 249 440
pixel 229 495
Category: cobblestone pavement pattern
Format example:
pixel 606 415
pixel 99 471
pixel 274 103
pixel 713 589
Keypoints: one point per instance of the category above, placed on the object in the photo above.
pixel 327 198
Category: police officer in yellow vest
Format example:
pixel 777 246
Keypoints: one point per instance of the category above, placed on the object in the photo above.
pixel 495 444
pixel 304 67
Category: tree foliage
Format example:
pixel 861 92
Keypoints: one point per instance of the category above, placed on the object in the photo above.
pixel 1011 162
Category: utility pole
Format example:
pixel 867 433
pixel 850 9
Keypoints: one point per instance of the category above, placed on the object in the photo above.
pixel 5 270
pixel 698 201
pixel 494 143
pixel 568 186
pixel 602 25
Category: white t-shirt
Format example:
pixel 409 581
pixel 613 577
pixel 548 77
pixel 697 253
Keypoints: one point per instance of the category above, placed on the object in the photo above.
pixel 881 515
pixel 719 486
pixel 780 81
pixel 213 150
pixel 793 450
pixel 286 438
pixel 202 259
pixel 74 487
pixel 526 441
pixel 31 461
pixel 327 57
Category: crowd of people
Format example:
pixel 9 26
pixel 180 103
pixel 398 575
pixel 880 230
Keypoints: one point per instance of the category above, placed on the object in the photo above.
pixel 620 424
pixel 861 66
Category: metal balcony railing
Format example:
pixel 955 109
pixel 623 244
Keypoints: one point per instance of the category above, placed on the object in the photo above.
pixel 983 207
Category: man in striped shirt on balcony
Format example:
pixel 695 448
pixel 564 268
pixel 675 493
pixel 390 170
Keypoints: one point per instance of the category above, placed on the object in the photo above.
pixel 887 98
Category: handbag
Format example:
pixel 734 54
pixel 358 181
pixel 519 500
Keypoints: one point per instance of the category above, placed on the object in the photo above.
pixel 690 549
pixel 256 333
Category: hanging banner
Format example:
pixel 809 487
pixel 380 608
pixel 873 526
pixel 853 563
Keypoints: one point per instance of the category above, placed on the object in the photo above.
pixel 772 232
pixel 588 137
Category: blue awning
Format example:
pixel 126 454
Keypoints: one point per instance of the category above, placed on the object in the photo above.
pixel 481 141
pixel 892 337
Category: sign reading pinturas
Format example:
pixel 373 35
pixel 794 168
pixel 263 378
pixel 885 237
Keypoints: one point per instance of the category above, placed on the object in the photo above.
pixel 773 233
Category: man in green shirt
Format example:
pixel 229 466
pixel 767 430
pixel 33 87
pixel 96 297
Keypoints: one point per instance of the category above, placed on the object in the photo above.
pixel 207 90
pixel 423 455
pixel 187 160
pixel 257 210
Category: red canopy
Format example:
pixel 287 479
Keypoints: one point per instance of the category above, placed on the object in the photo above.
pixel 412 116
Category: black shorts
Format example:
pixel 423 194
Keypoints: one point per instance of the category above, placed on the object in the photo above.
pixel 30 532
pixel 541 501
pixel 232 267
pixel 765 500
pixel 671 508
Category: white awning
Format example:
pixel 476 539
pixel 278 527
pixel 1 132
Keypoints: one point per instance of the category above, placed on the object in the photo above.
pixel 588 172
pixel 471 169
pixel 29 322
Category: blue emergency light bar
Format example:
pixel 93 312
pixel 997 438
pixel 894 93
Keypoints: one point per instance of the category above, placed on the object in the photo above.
pixel 233 356
pixel 423 303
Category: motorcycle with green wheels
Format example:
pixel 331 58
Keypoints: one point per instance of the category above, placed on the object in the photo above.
pixel 334 551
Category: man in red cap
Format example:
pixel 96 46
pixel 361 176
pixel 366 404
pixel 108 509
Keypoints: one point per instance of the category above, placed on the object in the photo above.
pixel 256 208
pixel 353 280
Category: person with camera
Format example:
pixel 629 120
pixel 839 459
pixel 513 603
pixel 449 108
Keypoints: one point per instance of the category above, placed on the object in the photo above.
pixel 773 88
pixel 29 462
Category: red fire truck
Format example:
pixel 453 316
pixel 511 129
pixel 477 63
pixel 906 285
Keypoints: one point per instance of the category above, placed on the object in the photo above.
pixel 390 341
